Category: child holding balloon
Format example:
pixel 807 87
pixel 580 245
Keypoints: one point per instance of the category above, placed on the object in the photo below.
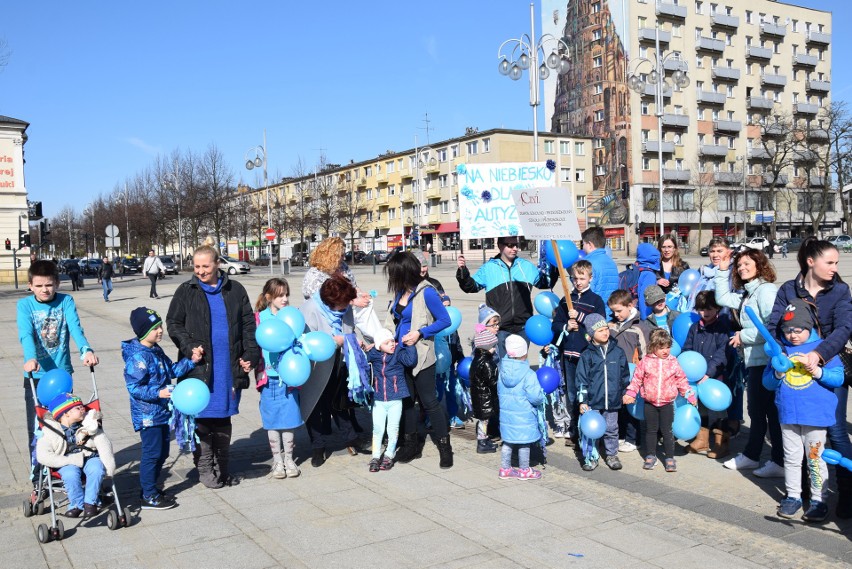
pixel 148 373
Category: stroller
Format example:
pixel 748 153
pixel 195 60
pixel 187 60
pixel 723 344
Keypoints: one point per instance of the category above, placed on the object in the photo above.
pixel 49 483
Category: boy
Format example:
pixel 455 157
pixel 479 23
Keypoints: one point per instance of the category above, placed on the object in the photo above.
pixel 631 333
pixel 148 373
pixel 47 320
pixel 602 377
pixel 661 316
pixel 806 403
pixel 566 325
pixel 74 444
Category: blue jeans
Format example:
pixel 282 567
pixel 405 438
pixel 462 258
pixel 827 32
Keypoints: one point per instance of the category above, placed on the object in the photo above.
pixel 155 449
pixel 107 285
pixel 837 433
pixel 389 412
pixel 764 417
pixel 72 477
pixel 523 455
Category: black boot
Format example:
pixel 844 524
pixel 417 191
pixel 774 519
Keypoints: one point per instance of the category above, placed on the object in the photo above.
pixel 409 450
pixel 844 498
pixel 446 452
pixel 318 457
pixel 485 446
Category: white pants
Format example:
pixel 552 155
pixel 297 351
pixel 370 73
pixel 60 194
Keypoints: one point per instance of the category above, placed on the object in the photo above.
pixel 797 439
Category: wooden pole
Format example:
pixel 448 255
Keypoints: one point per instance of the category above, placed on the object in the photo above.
pixel 562 277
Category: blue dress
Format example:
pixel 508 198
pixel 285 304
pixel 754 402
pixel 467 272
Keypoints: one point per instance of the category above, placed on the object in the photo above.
pixel 279 403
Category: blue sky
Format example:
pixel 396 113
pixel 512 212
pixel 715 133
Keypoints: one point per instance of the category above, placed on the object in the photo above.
pixel 107 86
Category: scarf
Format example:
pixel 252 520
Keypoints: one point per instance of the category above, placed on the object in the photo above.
pixel 334 318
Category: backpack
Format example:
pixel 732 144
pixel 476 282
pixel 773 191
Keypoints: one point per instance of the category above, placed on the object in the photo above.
pixel 628 280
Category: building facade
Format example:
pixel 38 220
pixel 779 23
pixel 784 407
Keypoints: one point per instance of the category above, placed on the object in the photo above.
pixel 13 200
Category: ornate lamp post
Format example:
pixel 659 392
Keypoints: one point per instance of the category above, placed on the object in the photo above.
pixel 423 157
pixel 260 159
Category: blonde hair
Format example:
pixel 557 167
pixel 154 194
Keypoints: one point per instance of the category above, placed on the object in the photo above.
pixel 208 248
pixel 328 255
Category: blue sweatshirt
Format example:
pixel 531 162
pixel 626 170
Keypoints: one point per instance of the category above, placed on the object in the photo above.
pixel 435 306
pixel 648 261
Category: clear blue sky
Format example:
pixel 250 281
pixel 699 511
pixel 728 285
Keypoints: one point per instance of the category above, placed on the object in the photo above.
pixel 107 86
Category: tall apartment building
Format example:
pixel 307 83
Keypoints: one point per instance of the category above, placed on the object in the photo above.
pixel 759 70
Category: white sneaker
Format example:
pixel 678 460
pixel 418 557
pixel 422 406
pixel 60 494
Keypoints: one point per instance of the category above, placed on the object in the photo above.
pixel 624 446
pixel 559 432
pixel 278 470
pixel 770 470
pixel 741 462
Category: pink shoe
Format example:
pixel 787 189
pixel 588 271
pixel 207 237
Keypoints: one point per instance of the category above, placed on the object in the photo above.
pixel 528 474
pixel 506 473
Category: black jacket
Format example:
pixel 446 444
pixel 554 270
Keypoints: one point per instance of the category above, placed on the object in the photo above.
pixel 188 322
pixel 483 385
pixel 677 270
pixel 106 271
pixel 574 342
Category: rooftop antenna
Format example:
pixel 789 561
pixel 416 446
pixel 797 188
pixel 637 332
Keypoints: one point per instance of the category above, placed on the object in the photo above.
pixel 427 128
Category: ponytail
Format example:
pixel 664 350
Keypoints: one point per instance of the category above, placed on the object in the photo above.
pixel 812 248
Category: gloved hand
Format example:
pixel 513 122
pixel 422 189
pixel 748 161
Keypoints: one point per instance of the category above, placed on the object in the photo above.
pixel 781 364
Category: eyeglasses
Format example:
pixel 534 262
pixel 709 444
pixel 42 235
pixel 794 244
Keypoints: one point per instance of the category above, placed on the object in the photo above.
pixel 494 325
pixel 511 245
pixel 793 330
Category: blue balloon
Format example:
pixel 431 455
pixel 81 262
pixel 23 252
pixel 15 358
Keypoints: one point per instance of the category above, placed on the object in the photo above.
pixel 443 358
pixel 455 321
pixel 671 302
pixel 680 401
pixel 463 369
pixel 294 368
pixel 545 303
pixel 831 456
pixel 548 378
pixel 191 396
pixel 592 424
pixel 693 364
pixel 714 394
pixel 538 330
pixel 291 316
pixel 581 254
pixel 632 368
pixel 676 349
pixel 52 383
pixel 568 252
pixel 637 408
pixel 687 281
pixel 318 346
pixel 273 335
pixel 680 327
pixel 687 422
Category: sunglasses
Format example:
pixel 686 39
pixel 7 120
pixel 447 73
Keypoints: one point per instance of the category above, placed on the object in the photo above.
pixel 511 245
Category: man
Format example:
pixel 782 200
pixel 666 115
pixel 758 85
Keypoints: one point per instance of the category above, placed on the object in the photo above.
pixel 508 281
pixel 105 274
pixel 153 267
pixel 604 269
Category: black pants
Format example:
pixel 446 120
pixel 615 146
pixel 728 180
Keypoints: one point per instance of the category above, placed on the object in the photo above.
pixel 423 387
pixel 153 277
pixel 763 414
pixel 75 280
pixel 212 453
pixel 319 421
pixel 659 419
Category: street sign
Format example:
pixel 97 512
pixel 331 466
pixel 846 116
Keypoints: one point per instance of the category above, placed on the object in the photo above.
pixel 111 230
pixel 270 234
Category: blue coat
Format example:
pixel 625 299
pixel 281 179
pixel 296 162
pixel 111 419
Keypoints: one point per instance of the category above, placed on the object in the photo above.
pixel 604 275
pixel 647 257
pixel 602 376
pixel 146 372
pixel 389 372
pixel 520 395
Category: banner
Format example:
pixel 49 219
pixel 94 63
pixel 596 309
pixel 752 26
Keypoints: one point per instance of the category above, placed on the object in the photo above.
pixel 547 213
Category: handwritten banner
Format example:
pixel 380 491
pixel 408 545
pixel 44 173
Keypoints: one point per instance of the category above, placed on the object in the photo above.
pixel 485 198
pixel 547 213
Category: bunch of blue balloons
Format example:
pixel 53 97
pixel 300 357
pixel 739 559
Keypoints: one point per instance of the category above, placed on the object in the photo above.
pixel 278 336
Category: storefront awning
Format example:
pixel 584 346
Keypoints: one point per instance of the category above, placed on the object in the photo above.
pixel 719 231
pixel 452 227
pixel 652 230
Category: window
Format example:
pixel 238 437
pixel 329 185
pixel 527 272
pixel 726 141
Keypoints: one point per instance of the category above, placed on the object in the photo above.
pixel 454 177
pixel 646 163
pixel 795 26
pixel 676 31
pixel 445 206
pixel 598 61
pixel 392 213
pixel 580 175
pixel 581 202
pixel 730 91
pixel 472 147
pixel 699 61
pixel 368 171
pixel 399 164
pixel 596 8
pixel 600 170
pixel 565 174
pixel 598 89
pixel 681 200
pixel 599 115
pixel 729 39
pixel 748 17
pixel 378 193
pixel 442 180
pixel 678 139
pixel 369 194
pixel 731 142
pixel 702 166
pixel 646 109
pixel 597 35
pixel 486 145
pixel 580 148
pixel 699 7
pixel 564 147
pixel 597 143
pixel 442 155
pixel 392 190
pixel 454 151
pixel 369 216
pixel 389 167
pixel 548 147
pixel 679 164
pixel 646 135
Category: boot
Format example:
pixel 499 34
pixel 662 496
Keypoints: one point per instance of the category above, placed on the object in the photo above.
pixel 844 498
pixel 409 450
pixel 485 446
pixel 701 443
pixel 720 444
pixel 446 452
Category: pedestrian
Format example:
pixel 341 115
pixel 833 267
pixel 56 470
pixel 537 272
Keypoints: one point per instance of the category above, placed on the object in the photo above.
pixel 483 385
pixel 784 249
pixel 153 267
pixel 603 267
pixel 73 271
pixel 105 274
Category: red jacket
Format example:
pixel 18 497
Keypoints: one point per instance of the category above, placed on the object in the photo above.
pixel 659 381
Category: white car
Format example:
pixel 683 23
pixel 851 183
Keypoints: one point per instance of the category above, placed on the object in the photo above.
pixel 233 266
pixel 760 243
pixel 840 240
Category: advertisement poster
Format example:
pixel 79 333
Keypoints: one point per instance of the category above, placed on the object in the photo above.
pixel 547 213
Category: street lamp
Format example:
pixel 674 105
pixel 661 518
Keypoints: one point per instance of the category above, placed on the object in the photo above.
pixel 657 77
pixel 90 211
pixel 745 218
pixel 260 159
pixel 525 54
pixel 423 158
pixel 124 199
pixel 171 179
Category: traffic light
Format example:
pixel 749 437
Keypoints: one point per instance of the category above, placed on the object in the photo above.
pixel 18 262
pixel 23 239
pixel 726 225
pixel 376 233
pixel 8 244
pixel 640 228
pixel 44 229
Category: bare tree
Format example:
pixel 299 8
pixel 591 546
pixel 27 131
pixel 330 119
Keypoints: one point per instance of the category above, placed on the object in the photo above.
pixel 217 188
pixel 829 138
pixel 704 195
pixel 301 206
pixel 778 148
pixel 351 211
pixel 326 208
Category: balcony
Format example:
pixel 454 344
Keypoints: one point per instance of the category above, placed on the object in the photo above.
pixel 757 52
pixel 676 175
pixel 727 126
pixel 805 60
pixel 406 197
pixel 654 146
pixel 382 201
pixel 651 89
pixel 406 175
pixel 674 64
pixel 781 181
pixel 805 109
pixel 434 218
pixel 730 178
pixel 362 182
pixel 804 155
pixel 759 153
pixel 775 30
pixel 726 73
pixel 648 34
pixel 816 181
pixel 383 223
pixel 381 178
pixel 712 150
pixel 818 134
pixel 709 44
pixel 726 21
pixel 774 80
pixel 669 10
pixel 672 120
pixel 818 86
pixel 431 167
pixel 774 130
pixel 759 103
pixel 433 193
pixel 821 38
pixel 710 98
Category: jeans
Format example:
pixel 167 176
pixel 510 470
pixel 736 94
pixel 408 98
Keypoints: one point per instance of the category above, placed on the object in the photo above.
pixel 659 419
pixel 155 449
pixel 838 436
pixel 107 285
pixel 423 387
pixel 523 455
pixel 72 475
pixel 153 277
pixel 796 438
pixel 764 416
pixel 388 412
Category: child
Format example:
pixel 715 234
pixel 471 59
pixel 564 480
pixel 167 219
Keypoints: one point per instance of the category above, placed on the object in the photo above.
pixel 806 403
pixel 74 444
pixel 520 395
pixel 710 337
pixel 47 321
pixel 148 373
pixel 566 325
pixel 661 316
pixel 279 403
pixel 659 379
pixel 483 385
pixel 602 376
pixel 388 361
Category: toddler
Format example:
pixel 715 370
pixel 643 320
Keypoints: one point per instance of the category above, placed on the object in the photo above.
pixel 483 385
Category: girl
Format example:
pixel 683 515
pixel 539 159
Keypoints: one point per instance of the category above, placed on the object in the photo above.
pixel 279 404
pixel 659 379
pixel 671 265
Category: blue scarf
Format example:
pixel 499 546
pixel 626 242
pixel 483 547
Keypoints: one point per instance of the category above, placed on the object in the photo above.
pixel 333 317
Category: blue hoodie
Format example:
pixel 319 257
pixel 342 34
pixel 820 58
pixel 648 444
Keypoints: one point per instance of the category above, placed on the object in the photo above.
pixel 520 395
pixel 648 258
pixel 604 276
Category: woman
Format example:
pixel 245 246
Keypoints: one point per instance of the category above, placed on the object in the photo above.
pixel 671 265
pixel 417 314
pixel 819 285
pixel 755 275
pixel 215 311
pixel 329 310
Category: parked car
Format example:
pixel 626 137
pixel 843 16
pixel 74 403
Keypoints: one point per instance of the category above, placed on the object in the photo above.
pixel 299 259
pixel 705 251
pixel 793 244
pixel 760 243
pixel 263 260
pixel 356 257
pixel 64 264
pixel 128 265
pixel 840 240
pixel 90 266
pixel 233 266
pixel 379 256
pixel 169 264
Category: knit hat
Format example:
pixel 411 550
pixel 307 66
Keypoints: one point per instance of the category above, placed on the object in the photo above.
pixel 798 315
pixel 63 403
pixel 486 313
pixel 516 347
pixel 653 295
pixel 143 320
pixel 484 337
pixel 594 322
pixel 382 335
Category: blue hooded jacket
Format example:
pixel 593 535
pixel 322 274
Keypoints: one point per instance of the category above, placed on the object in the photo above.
pixel 602 376
pixel 520 395
pixel 146 372
pixel 389 372
pixel 647 257
pixel 604 276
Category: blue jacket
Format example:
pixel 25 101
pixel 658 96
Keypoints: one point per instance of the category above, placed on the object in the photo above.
pixel 146 372
pixel 832 306
pixel 647 257
pixel 712 343
pixel 575 341
pixel 602 376
pixel 801 399
pixel 520 395
pixel 604 275
pixel 389 372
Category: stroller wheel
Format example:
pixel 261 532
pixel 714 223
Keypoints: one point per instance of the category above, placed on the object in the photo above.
pixel 43 533
pixel 59 531
pixel 125 518
pixel 28 508
pixel 39 508
pixel 112 520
